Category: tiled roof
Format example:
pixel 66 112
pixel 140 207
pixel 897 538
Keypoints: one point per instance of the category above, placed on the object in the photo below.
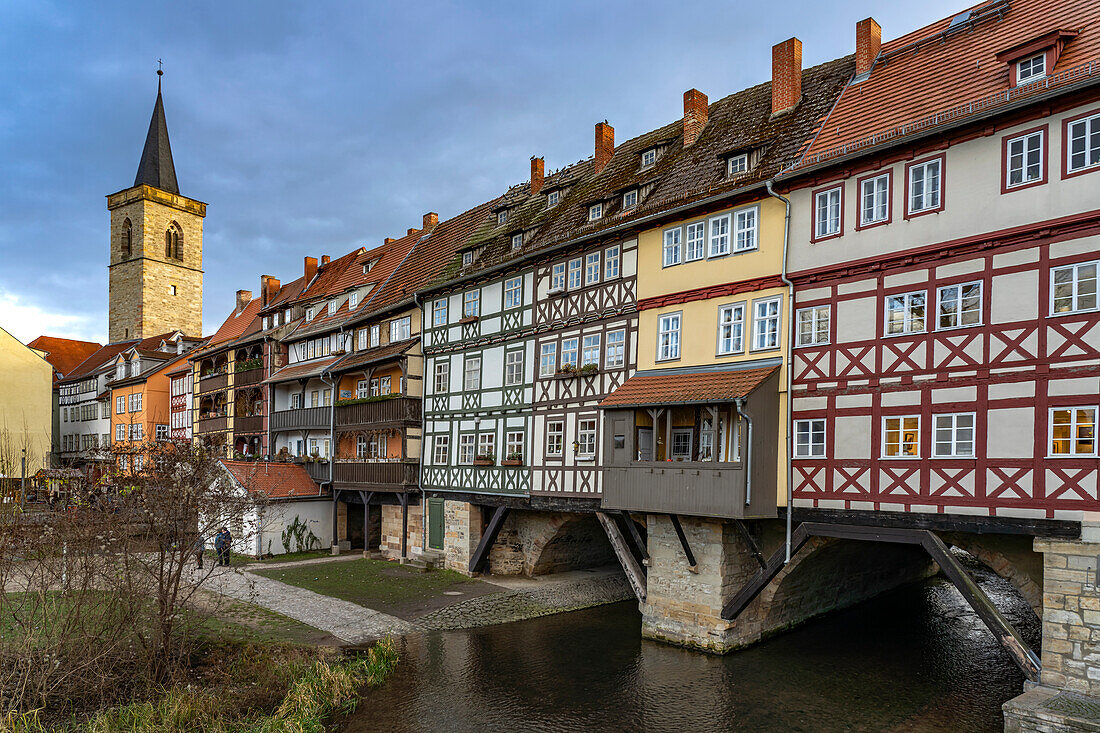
pixel 172 360
pixel 98 359
pixel 375 355
pixel 302 371
pixel 335 277
pixel 237 323
pixel 681 389
pixel 287 293
pixel 273 480
pixel 928 72
pixel 64 354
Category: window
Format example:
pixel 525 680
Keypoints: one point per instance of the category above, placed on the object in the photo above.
pixel 360 446
pixel 813 326
pixel 331 307
pixel 401 328
pixel 467 257
pixel 160 432
pixel 441 445
pixel 765 324
pixel 1074 288
pixel 745 229
pixel 671 247
pixel 471 304
pixel 959 305
pixel 310 313
pixel 353 301
pixel 517 240
pixel 1073 431
pixel 135 402
pixel 592 268
pixel 827 206
pixel 809 438
pixel 466 449
pixel 513 368
pixel 513 292
pixel 668 337
pixel 361 339
pixel 514 445
pixel 924 186
pixel 737 164
pixel 439 312
pixel 326 397
pixel 362 388
pixel 136 431
pixel 548 359
pixel 901 437
pixel 106 412
pixel 1024 160
pixel 120 404
pixel 575 273
pixel 953 436
pixel 569 352
pixel 874 200
pixel 586 437
pixel 502 216
pixel 630 199
pixel 120 432
pixel 649 157
pixel 126 239
pixel 383 388
pixel 1031 68
pixel 173 289
pixel 614 357
pixel 611 263
pixel 487 445
pixel 720 236
pixel 296 401
pixel 590 351
pixel 552 199
pixel 1083 150
pixel 731 328
pixel 472 376
pixel 442 376
pixel 595 211
pixel 696 236
pixel 375 335
pixel 555 437
pixel 557 277
pixel 681 445
pixel 905 313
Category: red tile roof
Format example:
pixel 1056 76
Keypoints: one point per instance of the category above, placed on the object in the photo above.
pixel 64 354
pixel 98 359
pixel 236 323
pixel 681 389
pixel 302 371
pixel 927 71
pixel 273 480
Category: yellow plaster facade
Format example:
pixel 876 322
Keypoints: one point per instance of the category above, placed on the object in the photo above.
pixel 26 399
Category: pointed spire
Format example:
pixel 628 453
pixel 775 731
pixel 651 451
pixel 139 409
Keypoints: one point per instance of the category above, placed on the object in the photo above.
pixel 156 168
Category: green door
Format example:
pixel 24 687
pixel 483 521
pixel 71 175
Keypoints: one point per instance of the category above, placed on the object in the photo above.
pixel 435 524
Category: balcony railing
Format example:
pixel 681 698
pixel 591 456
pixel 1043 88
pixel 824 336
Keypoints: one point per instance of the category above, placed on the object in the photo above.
pixel 248 424
pixel 213 382
pixel 382 475
pixel 247 377
pixel 317 470
pixel 213 424
pixel 306 418
pixel 393 410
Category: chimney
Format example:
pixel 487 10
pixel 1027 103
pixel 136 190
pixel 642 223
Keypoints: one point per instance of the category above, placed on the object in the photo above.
pixel 410 231
pixel 310 268
pixel 430 220
pixel 325 259
pixel 387 240
pixel 786 75
pixel 605 145
pixel 244 297
pixel 269 286
pixel 538 167
pixel 695 115
pixel 868 43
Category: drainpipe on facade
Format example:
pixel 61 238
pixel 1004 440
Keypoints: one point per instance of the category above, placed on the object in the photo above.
pixel 739 405
pixel 420 461
pixel 790 357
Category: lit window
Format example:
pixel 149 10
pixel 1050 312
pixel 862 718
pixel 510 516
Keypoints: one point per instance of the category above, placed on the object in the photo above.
pixel 1074 288
pixel 557 277
pixel 737 164
pixel 592 268
pixel 1024 159
pixel 731 328
pixel 953 436
pixel 744 228
pixel 517 240
pixel 649 157
pixel 472 375
pixel 466 449
pixel 513 368
pixel 827 213
pixel 901 437
pixel 586 437
pixel 809 438
pixel 616 340
pixel 555 437
pixel 874 200
pixel 630 199
pixel 471 304
pixel 502 216
pixel 905 313
pixel 569 353
pixel 590 351
pixel 1083 150
pixel 439 312
pixel 552 199
pixel 468 257
pixel 575 273
pixel 671 247
pixel 548 360
pixel 513 292
pixel 595 211
pixel 442 376
pixel 813 326
pixel 1031 68
pixel 959 305
pixel 441 445
pixel 924 186
pixel 1073 431
pixel 668 337
pixel 765 324
pixel 611 263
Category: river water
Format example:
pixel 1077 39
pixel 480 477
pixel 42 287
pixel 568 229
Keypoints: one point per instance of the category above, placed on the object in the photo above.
pixel 914 659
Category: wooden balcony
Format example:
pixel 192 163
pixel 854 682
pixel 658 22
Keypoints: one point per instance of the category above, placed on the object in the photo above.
pixel 317 470
pixel 248 377
pixel 213 424
pixel 248 424
pixel 213 383
pixel 306 418
pixel 377 475
pixel 394 411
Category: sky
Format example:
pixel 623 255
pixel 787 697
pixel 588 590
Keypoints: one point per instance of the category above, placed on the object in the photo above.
pixel 315 128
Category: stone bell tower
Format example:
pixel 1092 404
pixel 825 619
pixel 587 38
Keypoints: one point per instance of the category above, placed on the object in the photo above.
pixel 156 246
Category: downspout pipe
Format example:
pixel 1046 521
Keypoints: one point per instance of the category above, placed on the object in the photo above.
pixel 790 357
pixel 739 405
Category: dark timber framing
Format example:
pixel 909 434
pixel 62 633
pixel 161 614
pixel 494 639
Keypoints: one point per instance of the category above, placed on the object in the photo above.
pixel 1024 658
pixel 634 572
pixel 684 543
pixel 481 554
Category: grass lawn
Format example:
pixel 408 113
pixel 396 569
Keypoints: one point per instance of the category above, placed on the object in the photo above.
pixel 381 585
pixel 247 623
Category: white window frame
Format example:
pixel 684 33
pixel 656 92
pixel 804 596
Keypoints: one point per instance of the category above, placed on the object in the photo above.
pixel 441 449
pixel 332 307
pixel 737 164
pixel 827 212
pixel 401 329
pixel 471 373
pixel 937 194
pixel 592 268
pixel 669 326
pixel 960 314
pixel 466 449
pixel 731 329
pixel 576 273
pixel 502 216
pixel 590 349
pixel 555 437
pixel 487 444
pixel 1075 281
pixel 746 229
pixel 468 257
pixel 767 327
pixel 1082 130
pixel 649 157
pixel 679 456
pixel 809 438
pixel 552 199
pixel 513 292
pixel 876 190
pixel 906 310
pixel 587 428
pixel 557 276
pixel 671 250
pixel 439 312
pixel 1075 425
pixel 513 367
pixel 695 245
pixel 1039 61
pixel 611 263
pixel 719 236
pixel 375 335
pixel 595 211
pixel 517 240
pixel 901 437
pixel 570 352
pixel 953 430
pixel 442 383
pixel 630 199
pixel 471 303
pixel 615 349
pixel 1025 150
pixel 548 359
pixel 816 316
pixel 513 443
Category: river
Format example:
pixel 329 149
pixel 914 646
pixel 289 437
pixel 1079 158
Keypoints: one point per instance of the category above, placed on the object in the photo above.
pixel 914 659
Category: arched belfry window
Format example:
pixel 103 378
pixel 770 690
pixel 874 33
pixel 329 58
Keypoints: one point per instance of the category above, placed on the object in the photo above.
pixel 173 242
pixel 126 240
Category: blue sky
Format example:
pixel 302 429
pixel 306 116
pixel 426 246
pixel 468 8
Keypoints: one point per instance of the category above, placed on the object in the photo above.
pixel 314 128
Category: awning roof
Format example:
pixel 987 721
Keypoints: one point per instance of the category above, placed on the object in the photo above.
pixel 644 390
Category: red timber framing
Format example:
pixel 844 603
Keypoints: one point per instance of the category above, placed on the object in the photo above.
pixel 1032 365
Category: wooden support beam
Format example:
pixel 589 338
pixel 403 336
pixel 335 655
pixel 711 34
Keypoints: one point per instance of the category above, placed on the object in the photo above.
pixel 753 548
pixel 692 565
pixel 404 524
pixel 488 537
pixel 366 496
pixel 639 543
pixel 634 573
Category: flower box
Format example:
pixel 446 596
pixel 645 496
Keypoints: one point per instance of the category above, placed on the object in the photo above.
pixel 468 319
pixel 511 462
pixel 483 461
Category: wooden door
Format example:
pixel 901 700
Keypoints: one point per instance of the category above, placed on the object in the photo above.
pixel 435 524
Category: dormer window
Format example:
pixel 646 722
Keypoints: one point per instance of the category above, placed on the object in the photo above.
pixel 353 301
pixel 630 199
pixel 649 157
pixel 502 216
pixel 737 164
pixel 467 257
pixel 1031 68
pixel 552 199
pixel 517 240
pixel 310 312
pixel 331 307
pixel 595 211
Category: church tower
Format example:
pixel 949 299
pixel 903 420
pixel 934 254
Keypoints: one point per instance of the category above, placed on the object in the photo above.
pixel 156 247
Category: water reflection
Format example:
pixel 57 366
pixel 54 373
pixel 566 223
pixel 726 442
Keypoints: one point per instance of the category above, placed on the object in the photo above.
pixel 915 659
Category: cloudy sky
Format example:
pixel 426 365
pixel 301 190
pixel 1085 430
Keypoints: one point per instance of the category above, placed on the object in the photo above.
pixel 313 128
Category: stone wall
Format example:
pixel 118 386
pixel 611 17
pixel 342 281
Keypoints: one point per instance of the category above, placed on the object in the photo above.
pixel 1071 615
pixel 461 534
pixel 538 543
pixel 390 545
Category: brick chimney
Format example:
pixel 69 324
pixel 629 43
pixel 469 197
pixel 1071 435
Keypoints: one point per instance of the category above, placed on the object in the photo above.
pixel 538 168
pixel 269 286
pixel 325 259
pixel 310 268
pixel 430 220
pixel 695 115
pixel 244 297
pixel 387 240
pixel 868 43
pixel 605 144
pixel 786 75
pixel 410 231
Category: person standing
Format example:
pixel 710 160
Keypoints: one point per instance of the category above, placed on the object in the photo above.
pixel 198 549
pixel 221 546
